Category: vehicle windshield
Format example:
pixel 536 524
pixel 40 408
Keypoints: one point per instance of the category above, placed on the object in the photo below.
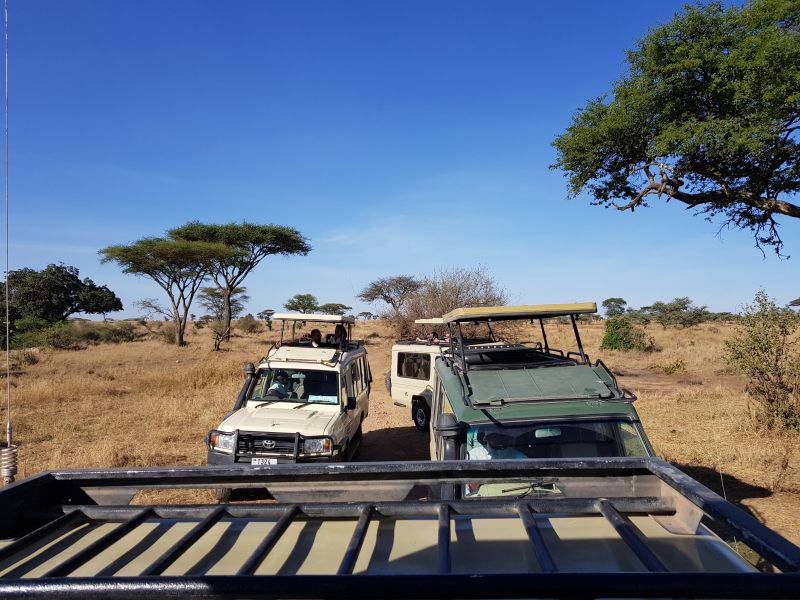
pixel 562 439
pixel 296 385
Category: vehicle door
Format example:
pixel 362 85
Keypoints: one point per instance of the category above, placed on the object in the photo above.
pixel 411 375
pixel 361 387
pixel 436 410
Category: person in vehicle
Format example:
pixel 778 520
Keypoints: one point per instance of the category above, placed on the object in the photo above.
pixel 316 338
pixel 279 387
pixel 339 336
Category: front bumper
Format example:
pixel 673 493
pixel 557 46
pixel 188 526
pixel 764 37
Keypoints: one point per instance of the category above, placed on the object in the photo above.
pixel 218 458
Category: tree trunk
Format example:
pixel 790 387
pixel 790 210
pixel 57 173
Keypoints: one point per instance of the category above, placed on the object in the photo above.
pixel 180 326
pixel 227 317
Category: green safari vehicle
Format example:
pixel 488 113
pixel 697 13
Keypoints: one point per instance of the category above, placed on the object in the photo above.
pixel 527 400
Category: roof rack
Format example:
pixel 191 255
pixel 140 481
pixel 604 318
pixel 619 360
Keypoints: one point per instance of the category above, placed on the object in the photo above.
pixel 619 493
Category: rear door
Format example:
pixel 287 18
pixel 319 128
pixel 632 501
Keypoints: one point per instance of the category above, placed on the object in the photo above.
pixel 411 375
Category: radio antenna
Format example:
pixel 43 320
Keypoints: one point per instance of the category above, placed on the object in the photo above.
pixel 8 454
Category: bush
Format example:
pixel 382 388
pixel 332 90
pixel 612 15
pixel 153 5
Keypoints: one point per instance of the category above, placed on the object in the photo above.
pixel 623 334
pixel 166 333
pixel 764 348
pixel 248 324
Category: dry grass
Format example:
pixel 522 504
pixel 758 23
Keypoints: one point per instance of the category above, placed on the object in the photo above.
pixel 149 403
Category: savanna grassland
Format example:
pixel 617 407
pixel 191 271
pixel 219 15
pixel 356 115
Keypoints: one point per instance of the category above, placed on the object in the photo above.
pixel 147 403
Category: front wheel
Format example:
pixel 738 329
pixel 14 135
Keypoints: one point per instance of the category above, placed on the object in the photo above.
pixel 421 414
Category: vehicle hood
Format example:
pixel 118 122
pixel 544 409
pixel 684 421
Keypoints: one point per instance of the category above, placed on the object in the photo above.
pixel 282 417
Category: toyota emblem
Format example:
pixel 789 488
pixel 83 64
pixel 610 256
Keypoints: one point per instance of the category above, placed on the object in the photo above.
pixel 268 444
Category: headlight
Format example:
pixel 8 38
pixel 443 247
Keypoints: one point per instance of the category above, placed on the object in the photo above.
pixel 317 446
pixel 221 441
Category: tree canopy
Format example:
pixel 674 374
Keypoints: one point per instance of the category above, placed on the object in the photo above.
pixel 251 243
pixel 395 291
pixel 303 303
pixel 179 267
pixel 55 293
pixel 614 307
pixel 334 308
pixel 707 115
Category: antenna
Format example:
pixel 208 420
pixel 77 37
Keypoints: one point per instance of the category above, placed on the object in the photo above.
pixel 8 454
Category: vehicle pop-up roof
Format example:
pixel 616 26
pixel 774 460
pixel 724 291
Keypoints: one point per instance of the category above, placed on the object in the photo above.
pixel 528 312
pixel 295 318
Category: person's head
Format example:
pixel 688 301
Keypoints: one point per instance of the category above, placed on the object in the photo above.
pixel 282 377
pixel 316 336
pixel 339 332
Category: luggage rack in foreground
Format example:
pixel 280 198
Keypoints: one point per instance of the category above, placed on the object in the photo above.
pixel 569 528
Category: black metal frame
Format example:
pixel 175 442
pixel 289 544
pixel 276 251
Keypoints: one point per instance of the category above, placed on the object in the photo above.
pixel 56 500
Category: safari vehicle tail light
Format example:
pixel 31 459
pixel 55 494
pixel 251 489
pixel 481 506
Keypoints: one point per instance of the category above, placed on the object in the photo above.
pixel 317 445
pixel 221 441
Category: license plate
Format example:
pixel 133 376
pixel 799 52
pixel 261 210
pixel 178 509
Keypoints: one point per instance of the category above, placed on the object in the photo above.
pixel 264 461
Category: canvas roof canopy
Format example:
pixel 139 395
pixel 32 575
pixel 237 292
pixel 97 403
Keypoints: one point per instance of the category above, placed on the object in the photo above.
pixel 313 317
pixel 520 312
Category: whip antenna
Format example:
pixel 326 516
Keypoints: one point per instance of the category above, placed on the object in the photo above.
pixel 8 454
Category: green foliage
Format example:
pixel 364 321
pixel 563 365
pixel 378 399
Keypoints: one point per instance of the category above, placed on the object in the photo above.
pixel 614 307
pixel 680 312
pixel 53 294
pixel 71 336
pixel 623 334
pixel 303 303
pixel 366 315
pixel 334 308
pixel 248 324
pixel 213 300
pixel 179 267
pixel 249 243
pixel 707 115
pixel 764 348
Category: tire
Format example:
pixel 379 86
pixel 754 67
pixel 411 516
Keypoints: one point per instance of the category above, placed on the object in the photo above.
pixel 223 495
pixel 421 415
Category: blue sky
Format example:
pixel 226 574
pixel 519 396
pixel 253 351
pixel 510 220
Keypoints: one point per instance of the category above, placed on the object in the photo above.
pixel 398 137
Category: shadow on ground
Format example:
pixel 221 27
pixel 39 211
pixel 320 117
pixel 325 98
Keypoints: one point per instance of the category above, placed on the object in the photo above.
pixel 726 485
pixel 395 443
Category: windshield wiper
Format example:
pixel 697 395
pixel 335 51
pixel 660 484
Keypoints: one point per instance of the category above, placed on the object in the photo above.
pixel 268 403
pixel 540 488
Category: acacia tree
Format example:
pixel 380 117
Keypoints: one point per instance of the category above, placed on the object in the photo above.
pixel 251 243
pixel 302 303
pixel 334 308
pixel 614 306
pixel 395 291
pixel 179 267
pixel 708 115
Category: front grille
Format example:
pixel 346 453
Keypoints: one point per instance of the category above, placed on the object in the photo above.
pixel 256 444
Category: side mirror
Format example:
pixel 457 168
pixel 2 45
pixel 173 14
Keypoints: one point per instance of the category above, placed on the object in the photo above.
pixel 446 425
pixel 351 403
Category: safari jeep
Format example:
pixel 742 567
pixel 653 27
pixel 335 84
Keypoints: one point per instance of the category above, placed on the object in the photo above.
pixel 305 402
pixel 410 381
pixel 527 400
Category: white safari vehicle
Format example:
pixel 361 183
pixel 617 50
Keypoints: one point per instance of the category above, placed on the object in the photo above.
pixel 305 402
pixel 410 380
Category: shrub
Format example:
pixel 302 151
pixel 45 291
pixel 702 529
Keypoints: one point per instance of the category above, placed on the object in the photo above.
pixel 248 324
pixel 623 334
pixel 166 333
pixel 764 349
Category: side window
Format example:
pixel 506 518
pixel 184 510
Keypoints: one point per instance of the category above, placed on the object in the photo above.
pixel 355 376
pixel 414 366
